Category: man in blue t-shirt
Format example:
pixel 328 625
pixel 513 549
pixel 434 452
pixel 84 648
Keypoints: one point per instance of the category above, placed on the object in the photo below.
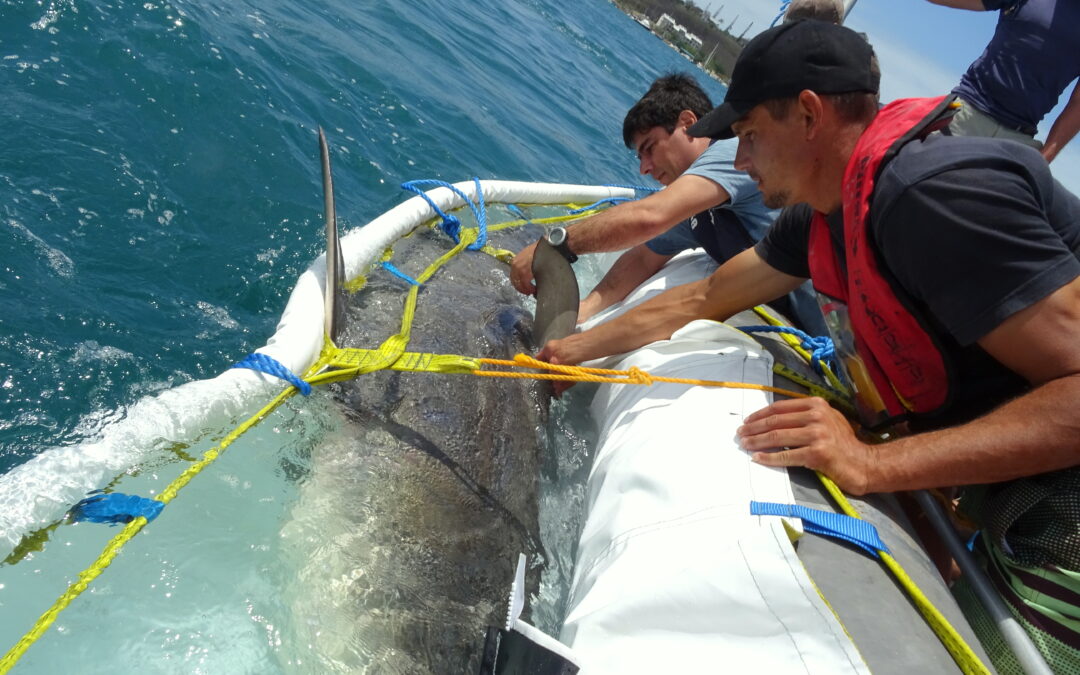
pixel 707 203
pixel 1032 58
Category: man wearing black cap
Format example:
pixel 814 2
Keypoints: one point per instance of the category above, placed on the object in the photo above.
pixel 949 273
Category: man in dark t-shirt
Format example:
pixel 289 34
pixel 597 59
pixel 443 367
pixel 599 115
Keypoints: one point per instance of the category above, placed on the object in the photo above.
pixel 979 247
pixel 973 230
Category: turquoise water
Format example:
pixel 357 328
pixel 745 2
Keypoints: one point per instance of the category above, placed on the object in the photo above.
pixel 159 196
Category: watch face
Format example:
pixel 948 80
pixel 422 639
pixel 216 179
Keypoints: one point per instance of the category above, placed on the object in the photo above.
pixel 556 236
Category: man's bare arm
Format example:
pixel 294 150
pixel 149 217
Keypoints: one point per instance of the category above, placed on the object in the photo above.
pixel 627 273
pixel 1035 433
pixel 1065 126
pixel 742 282
pixel 629 224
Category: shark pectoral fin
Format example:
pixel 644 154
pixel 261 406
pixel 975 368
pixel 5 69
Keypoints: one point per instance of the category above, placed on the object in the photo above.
pixel 334 297
pixel 557 295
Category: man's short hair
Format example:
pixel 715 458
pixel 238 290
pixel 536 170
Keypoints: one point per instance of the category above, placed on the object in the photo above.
pixel 818 10
pixel 663 103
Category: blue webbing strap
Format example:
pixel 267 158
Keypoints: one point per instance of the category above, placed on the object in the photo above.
pixel 826 523
pixel 516 210
pixel 271 366
pixel 609 200
pixel 637 188
pixel 115 508
pixel 820 348
pixel 389 267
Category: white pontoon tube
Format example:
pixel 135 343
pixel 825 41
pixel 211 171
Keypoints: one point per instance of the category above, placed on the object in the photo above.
pixel 38 492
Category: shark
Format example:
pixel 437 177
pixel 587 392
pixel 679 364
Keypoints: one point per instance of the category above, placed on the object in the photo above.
pixel 411 514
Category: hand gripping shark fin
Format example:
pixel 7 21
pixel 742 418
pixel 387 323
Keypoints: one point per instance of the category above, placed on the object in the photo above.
pixel 334 297
pixel 557 295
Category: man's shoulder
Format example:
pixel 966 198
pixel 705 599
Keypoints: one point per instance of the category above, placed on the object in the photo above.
pixel 994 159
pixel 941 153
pixel 719 152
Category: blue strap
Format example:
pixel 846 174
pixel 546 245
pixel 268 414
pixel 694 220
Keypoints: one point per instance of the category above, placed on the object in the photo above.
pixel 636 188
pixel 826 523
pixel 609 200
pixel 516 210
pixel 115 508
pixel 821 348
pixel 271 366
pixel 450 224
pixel 389 267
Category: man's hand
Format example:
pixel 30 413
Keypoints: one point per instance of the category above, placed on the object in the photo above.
pixel 811 434
pixel 552 353
pixel 521 275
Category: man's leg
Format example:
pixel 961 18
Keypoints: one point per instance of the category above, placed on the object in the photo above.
pixel 1043 600
pixel 970 121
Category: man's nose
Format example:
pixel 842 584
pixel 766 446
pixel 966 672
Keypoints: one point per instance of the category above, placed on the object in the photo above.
pixel 742 157
pixel 645 166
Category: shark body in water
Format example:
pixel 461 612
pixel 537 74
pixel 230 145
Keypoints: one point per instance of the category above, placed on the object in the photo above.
pixel 411 517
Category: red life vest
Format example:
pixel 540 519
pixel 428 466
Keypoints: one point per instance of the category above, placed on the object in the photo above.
pixel 896 356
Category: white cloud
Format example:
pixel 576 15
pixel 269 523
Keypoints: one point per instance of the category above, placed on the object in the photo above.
pixel 906 72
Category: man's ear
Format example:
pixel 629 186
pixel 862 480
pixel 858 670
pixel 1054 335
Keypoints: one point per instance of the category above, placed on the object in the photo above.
pixel 810 109
pixel 687 118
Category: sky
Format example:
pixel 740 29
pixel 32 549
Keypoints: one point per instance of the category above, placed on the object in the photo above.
pixel 923 50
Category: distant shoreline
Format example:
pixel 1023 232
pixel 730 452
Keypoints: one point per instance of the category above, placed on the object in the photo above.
pixel 689 30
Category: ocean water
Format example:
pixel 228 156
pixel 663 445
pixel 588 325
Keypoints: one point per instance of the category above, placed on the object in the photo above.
pixel 159 196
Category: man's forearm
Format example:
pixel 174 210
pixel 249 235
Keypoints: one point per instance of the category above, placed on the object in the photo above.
pixel 619 227
pixel 1033 434
pixel 629 271
pixel 1065 126
pixel 653 320
pixel 742 282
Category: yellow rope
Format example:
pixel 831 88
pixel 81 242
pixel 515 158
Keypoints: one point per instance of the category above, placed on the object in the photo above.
pixel 130 530
pixel 606 376
pixel 815 389
pixel 961 652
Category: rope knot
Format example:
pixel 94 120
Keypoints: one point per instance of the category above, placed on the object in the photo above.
pixel 633 374
pixel 451 226
pixel 528 361
pixel 821 348
pixel 450 223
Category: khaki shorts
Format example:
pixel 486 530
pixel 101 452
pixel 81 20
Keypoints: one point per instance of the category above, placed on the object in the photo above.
pixel 970 121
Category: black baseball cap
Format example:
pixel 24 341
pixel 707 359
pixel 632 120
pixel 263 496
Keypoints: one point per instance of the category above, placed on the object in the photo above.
pixel 780 62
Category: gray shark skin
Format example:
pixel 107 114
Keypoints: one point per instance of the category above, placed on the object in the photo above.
pixel 410 519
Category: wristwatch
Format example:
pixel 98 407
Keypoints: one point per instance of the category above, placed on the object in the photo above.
pixel 558 239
